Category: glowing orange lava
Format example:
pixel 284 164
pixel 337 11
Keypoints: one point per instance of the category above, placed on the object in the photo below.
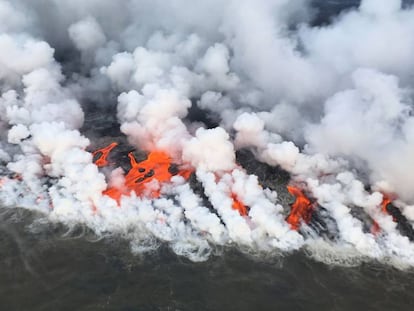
pixel 239 206
pixel 386 199
pixel 157 167
pixel 102 154
pixel 301 210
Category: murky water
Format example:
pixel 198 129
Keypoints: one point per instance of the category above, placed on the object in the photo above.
pixel 44 268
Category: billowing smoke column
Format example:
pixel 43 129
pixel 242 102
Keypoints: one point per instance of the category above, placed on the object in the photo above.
pixel 196 84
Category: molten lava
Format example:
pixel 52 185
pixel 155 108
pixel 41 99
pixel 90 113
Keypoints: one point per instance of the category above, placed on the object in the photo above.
pixel 238 206
pixel 100 156
pixel 301 210
pixel 386 199
pixel 157 167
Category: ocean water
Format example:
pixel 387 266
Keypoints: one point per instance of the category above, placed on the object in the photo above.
pixel 44 267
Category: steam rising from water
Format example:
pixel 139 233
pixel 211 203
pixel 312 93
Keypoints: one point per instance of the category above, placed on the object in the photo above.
pixel 331 105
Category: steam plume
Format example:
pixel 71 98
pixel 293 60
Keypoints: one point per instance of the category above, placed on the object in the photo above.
pixel 200 82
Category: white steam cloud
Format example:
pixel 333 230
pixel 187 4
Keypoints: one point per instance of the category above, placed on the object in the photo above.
pixel 330 104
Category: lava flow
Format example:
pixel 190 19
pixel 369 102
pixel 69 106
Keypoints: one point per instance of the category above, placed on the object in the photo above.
pixel 100 156
pixel 238 206
pixel 301 210
pixel 375 229
pixel 157 167
pixel 385 201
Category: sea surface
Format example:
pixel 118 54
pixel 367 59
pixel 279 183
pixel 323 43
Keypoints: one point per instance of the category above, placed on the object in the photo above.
pixel 44 266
